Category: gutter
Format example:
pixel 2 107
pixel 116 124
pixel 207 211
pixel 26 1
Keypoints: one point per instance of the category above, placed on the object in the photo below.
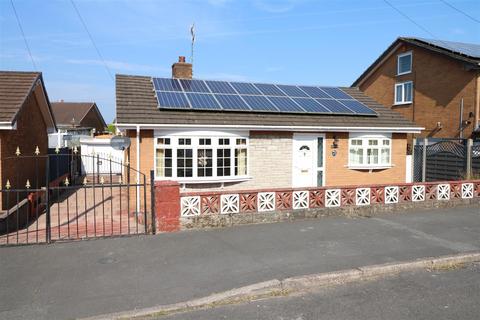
pixel 271 128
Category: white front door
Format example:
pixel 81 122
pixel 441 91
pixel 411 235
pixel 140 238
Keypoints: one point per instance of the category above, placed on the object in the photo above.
pixel 308 161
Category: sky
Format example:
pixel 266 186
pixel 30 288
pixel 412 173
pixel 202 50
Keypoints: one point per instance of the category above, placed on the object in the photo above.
pixel 281 41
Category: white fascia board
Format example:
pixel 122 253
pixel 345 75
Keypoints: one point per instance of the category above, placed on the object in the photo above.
pixel 122 126
pixel 8 126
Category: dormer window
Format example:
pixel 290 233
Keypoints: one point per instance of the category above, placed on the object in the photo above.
pixel 404 63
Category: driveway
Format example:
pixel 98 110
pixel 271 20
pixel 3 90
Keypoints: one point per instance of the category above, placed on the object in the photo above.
pixel 85 278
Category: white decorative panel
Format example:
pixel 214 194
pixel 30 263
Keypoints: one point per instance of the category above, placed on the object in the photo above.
pixel 418 193
pixel 443 192
pixel 332 198
pixel 266 201
pixel 300 200
pixel 229 203
pixel 391 194
pixel 362 196
pixel 467 190
pixel 190 206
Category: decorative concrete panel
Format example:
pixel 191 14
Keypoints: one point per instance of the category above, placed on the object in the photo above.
pixel 300 200
pixel 190 206
pixel 391 195
pixel 332 198
pixel 230 203
pixel 266 201
pixel 362 196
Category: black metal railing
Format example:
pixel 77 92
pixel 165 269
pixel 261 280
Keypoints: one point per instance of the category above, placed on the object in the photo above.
pixel 48 198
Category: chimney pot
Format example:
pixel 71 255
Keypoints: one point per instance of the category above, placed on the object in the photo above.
pixel 181 59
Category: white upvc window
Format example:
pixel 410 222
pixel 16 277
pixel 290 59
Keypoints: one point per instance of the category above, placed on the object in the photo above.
pixel 404 92
pixel 369 150
pixel 201 158
pixel 404 63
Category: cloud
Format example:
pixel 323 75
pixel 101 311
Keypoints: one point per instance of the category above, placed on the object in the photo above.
pixel 118 65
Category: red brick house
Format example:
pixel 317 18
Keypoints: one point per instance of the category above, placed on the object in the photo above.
pixel 232 135
pixel 25 121
pixel 434 83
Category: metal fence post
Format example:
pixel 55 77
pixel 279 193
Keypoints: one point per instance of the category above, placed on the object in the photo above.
pixel 414 143
pixel 424 160
pixel 469 158
pixel 47 202
pixel 152 201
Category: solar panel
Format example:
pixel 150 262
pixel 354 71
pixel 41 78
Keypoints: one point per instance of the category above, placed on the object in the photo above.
pixel 256 97
pixel 269 89
pixel 172 100
pixel 310 105
pixel 231 102
pixel 314 92
pixel 245 88
pixel 357 107
pixel 292 91
pixel 259 103
pixel 202 101
pixel 220 87
pixel 334 106
pixel 194 86
pixel 163 84
pixel 336 93
pixel 285 104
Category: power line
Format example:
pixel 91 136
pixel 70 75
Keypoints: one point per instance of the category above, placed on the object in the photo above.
pixel 91 39
pixel 23 35
pixel 461 11
pixel 410 19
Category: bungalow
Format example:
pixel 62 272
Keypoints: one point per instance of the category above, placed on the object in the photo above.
pixel 25 121
pixel 209 135
pixel 81 119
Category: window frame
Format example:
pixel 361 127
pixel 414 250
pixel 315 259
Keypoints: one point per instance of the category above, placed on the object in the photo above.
pixel 402 85
pixel 195 146
pixel 365 137
pixel 399 56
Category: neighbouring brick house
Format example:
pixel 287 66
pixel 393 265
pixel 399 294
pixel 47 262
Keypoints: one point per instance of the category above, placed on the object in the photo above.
pixel 25 121
pixel 426 81
pixel 262 146
pixel 76 118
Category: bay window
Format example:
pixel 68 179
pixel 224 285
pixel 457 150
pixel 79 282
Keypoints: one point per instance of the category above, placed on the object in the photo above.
pixel 369 151
pixel 201 158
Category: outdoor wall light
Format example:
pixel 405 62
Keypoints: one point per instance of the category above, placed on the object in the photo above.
pixel 335 142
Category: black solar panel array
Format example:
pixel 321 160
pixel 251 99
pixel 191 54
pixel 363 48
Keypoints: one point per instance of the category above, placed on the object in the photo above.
pixel 255 97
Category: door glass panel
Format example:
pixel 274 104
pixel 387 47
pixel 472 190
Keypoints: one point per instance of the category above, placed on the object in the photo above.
pixel 319 178
pixel 320 152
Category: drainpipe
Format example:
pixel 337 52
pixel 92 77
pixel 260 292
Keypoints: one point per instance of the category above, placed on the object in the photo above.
pixel 477 101
pixel 138 169
pixel 461 119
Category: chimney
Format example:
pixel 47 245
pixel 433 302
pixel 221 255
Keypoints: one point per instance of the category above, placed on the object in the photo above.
pixel 182 69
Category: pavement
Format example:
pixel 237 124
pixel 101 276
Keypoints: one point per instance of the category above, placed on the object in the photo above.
pixel 86 278
pixel 449 294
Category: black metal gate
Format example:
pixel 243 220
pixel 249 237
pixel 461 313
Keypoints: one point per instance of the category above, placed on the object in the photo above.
pixel 47 198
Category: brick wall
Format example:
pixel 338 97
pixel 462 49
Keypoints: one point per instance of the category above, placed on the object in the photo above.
pixel 337 172
pixel 270 162
pixel 31 131
pixel 439 84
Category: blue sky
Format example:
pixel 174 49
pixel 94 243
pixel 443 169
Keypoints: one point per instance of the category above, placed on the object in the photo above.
pixel 285 41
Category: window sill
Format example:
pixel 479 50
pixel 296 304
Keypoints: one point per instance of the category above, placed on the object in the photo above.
pixel 369 167
pixel 206 180
pixel 404 73
pixel 402 103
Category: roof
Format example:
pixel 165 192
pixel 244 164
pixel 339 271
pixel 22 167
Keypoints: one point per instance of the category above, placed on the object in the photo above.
pixel 66 112
pixel 465 52
pixel 471 50
pixel 136 105
pixel 15 87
